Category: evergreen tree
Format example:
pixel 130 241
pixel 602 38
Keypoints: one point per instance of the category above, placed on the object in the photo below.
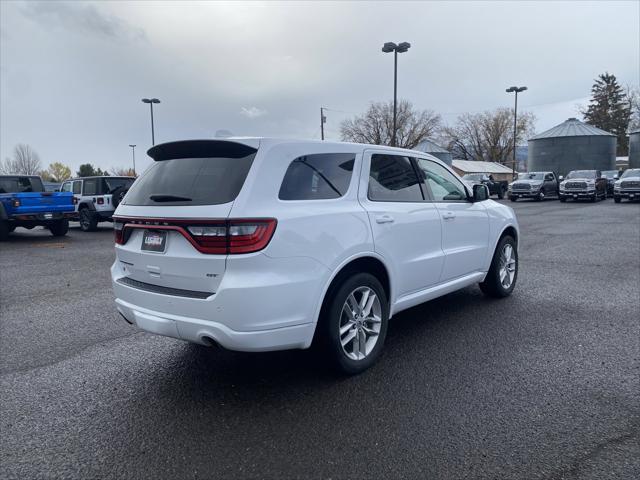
pixel 609 109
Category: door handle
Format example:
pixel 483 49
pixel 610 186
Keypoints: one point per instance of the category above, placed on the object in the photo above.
pixel 384 219
pixel 448 215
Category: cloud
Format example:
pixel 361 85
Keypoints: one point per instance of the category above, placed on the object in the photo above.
pixel 252 112
pixel 80 17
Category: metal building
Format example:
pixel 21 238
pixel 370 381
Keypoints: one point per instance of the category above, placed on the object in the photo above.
pixel 431 147
pixel 572 145
pixel 634 149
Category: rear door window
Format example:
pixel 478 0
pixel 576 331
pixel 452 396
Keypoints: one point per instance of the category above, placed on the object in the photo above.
pixel 91 186
pixel 191 181
pixel 77 187
pixel 317 177
pixel 392 178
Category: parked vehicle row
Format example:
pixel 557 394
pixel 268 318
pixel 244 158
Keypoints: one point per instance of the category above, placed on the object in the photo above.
pixel 264 244
pixel 25 203
pixel 628 186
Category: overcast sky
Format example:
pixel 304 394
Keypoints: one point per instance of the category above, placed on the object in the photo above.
pixel 72 74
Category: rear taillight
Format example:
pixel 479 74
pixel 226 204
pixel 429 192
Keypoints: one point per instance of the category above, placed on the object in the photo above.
pixel 15 203
pixel 75 200
pixel 213 237
pixel 118 232
pixel 100 201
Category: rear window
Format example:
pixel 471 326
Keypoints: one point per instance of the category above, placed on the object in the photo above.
pixel 191 181
pixel 20 184
pixel 317 177
pixel 111 184
pixel 91 187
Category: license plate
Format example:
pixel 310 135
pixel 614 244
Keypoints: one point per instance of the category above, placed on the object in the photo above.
pixel 154 241
pixel 520 195
pixel 48 216
pixel 575 196
pixel 631 195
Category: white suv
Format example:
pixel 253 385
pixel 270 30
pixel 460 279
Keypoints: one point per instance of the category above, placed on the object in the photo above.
pixel 264 244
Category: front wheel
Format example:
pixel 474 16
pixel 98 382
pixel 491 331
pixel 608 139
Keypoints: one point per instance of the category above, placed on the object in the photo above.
pixel 513 199
pixel 617 199
pixel 503 273
pixel 353 325
pixel 59 228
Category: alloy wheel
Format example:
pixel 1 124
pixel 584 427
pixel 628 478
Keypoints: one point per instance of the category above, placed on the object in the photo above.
pixel 507 266
pixel 360 323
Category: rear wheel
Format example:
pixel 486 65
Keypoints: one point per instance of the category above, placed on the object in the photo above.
pixel 59 228
pixel 4 230
pixel 503 273
pixel 512 198
pixel 501 193
pixel 353 324
pixel 88 220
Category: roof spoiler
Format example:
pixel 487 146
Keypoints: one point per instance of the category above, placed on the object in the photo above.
pixel 200 149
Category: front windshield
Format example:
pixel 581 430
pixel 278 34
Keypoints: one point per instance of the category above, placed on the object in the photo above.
pixel 531 176
pixel 632 172
pixel 610 173
pixel 582 174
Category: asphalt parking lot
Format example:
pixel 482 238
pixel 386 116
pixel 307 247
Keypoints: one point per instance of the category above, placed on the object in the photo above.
pixel 544 384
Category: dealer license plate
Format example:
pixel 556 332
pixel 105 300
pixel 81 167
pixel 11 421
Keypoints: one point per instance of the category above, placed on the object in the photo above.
pixel 154 241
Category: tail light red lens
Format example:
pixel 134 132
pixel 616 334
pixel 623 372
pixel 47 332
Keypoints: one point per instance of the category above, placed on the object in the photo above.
pixel 232 236
pixel 15 203
pixel 100 201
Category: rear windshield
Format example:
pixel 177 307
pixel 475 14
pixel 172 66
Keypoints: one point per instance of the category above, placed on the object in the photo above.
pixel 191 181
pixel 20 184
pixel 111 184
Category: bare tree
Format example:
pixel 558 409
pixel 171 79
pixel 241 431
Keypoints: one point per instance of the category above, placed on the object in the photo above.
pixel 122 172
pixel 25 161
pixel 487 136
pixel 376 125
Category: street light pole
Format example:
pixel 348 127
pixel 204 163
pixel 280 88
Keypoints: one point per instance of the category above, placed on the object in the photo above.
pixel 323 119
pixel 515 90
pixel 151 101
pixel 396 49
pixel 133 152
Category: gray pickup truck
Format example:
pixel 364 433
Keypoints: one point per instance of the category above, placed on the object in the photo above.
pixel 536 185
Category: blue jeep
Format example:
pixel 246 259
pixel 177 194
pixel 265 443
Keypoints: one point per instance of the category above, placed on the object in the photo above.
pixel 24 203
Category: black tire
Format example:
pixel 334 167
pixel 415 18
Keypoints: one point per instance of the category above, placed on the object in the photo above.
pixel 88 220
pixel 537 198
pixel 492 286
pixel 501 193
pixel 117 196
pixel 59 228
pixel 4 230
pixel 11 228
pixel 563 199
pixel 513 199
pixel 617 199
pixel 328 334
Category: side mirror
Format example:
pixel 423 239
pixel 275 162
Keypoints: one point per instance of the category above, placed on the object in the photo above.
pixel 560 178
pixel 480 192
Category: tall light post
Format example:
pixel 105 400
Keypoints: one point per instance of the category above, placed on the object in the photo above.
pixel 323 120
pixel 133 152
pixel 515 90
pixel 151 101
pixel 396 49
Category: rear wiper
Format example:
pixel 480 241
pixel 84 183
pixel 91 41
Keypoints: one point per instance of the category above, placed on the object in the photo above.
pixel 169 198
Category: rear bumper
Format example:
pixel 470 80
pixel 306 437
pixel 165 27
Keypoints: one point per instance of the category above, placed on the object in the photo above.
pixel 261 304
pixel 205 332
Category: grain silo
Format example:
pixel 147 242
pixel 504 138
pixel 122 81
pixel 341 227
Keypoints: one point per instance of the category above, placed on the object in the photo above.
pixel 432 148
pixel 634 149
pixel 572 145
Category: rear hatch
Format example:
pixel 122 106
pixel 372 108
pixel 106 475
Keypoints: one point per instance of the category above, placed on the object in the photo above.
pixel 171 226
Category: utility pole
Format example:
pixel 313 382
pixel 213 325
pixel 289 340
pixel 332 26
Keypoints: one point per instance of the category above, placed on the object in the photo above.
pixel 396 49
pixel 133 151
pixel 323 120
pixel 515 90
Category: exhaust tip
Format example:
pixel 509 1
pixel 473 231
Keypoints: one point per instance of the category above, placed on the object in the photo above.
pixel 208 341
